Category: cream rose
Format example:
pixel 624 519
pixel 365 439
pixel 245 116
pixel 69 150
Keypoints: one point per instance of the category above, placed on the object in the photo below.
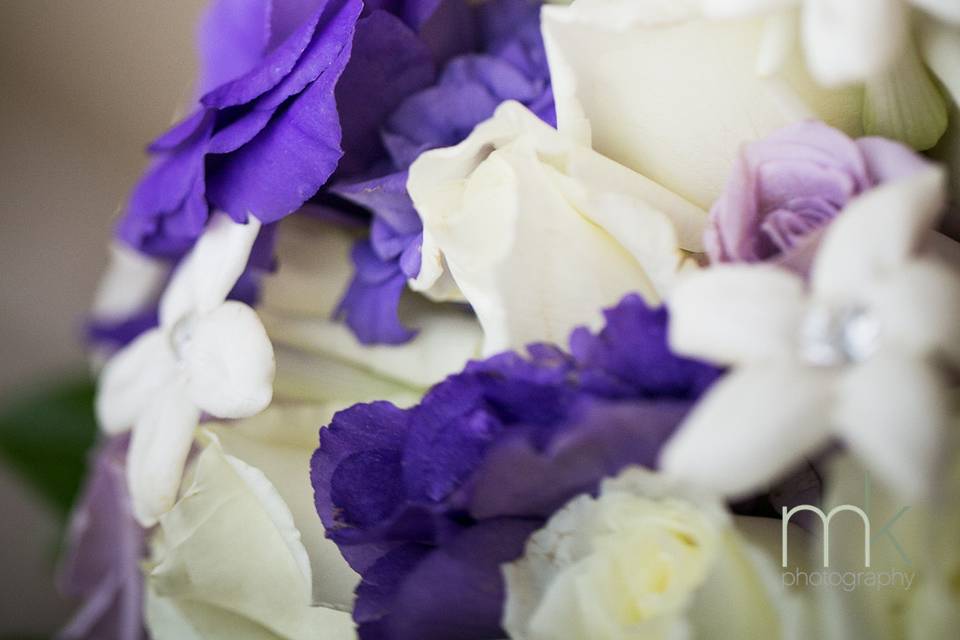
pixel 672 95
pixel 640 561
pixel 539 233
pixel 242 553
pixel 318 358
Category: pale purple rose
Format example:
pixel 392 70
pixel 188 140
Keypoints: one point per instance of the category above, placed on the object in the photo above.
pixel 787 188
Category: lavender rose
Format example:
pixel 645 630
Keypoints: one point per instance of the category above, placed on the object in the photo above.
pixel 787 188
pixel 426 503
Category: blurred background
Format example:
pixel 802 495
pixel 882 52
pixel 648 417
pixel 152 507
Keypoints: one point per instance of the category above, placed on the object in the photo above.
pixel 84 85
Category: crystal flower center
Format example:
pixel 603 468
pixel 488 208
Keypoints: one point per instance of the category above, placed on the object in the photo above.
pixel 831 337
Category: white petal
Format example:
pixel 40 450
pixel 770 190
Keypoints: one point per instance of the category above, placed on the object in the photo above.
pixel 780 39
pixel 918 309
pixel 228 561
pixel 130 284
pixel 892 412
pixel 752 426
pixel 737 313
pixel 131 379
pixel 742 8
pixel 279 443
pixel 159 447
pixel 876 233
pixel 940 45
pixel 208 273
pixel 948 10
pixel 446 340
pixel 228 362
pixel 674 97
pixel 517 212
pixel 313 271
pixel 850 40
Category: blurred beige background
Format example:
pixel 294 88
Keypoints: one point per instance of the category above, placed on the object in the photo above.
pixel 84 84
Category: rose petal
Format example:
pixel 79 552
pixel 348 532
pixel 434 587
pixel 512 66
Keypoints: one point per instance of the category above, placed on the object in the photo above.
pixel 852 40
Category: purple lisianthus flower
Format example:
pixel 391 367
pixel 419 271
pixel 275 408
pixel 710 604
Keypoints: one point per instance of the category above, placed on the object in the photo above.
pixel 507 62
pixel 426 503
pixel 787 188
pixel 105 546
pixel 265 135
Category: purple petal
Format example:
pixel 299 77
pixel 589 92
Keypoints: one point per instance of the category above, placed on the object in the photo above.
pixel 269 71
pixel 458 590
pixel 105 546
pixel 370 304
pixel 390 62
pixel 233 37
pixel 287 162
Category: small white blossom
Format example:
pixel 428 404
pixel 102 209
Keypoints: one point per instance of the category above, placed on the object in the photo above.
pixel 208 355
pixel 854 354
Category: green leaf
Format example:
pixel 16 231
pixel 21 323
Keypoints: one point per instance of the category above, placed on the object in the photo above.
pixel 45 436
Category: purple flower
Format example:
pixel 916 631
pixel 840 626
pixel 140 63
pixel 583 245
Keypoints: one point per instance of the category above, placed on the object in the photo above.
pixel 104 548
pixel 508 63
pixel 787 188
pixel 426 503
pixel 285 99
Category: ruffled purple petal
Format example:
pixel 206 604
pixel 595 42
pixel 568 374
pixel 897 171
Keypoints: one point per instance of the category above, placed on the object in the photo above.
pixel 457 591
pixel 389 62
pixel 287 162
pixel 509 439
pixel 233 37
pixel 370 304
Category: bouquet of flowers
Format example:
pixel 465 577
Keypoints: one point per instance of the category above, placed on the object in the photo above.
pixel 485 319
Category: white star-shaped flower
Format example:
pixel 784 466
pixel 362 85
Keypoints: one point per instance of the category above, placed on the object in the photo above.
pixel 854 354
pixel 208 355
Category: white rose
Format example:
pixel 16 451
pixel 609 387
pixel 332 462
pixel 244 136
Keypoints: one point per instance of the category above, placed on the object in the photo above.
pixel 640 561
pixel 318 358
pixel 539 233
pixel 671 95
pixel 242 554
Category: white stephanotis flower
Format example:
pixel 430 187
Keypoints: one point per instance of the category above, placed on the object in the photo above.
pixel 207 355
pixel 658 88
pixel 853 354
pixel 242 554
pixel 538 232
pixel 645 559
